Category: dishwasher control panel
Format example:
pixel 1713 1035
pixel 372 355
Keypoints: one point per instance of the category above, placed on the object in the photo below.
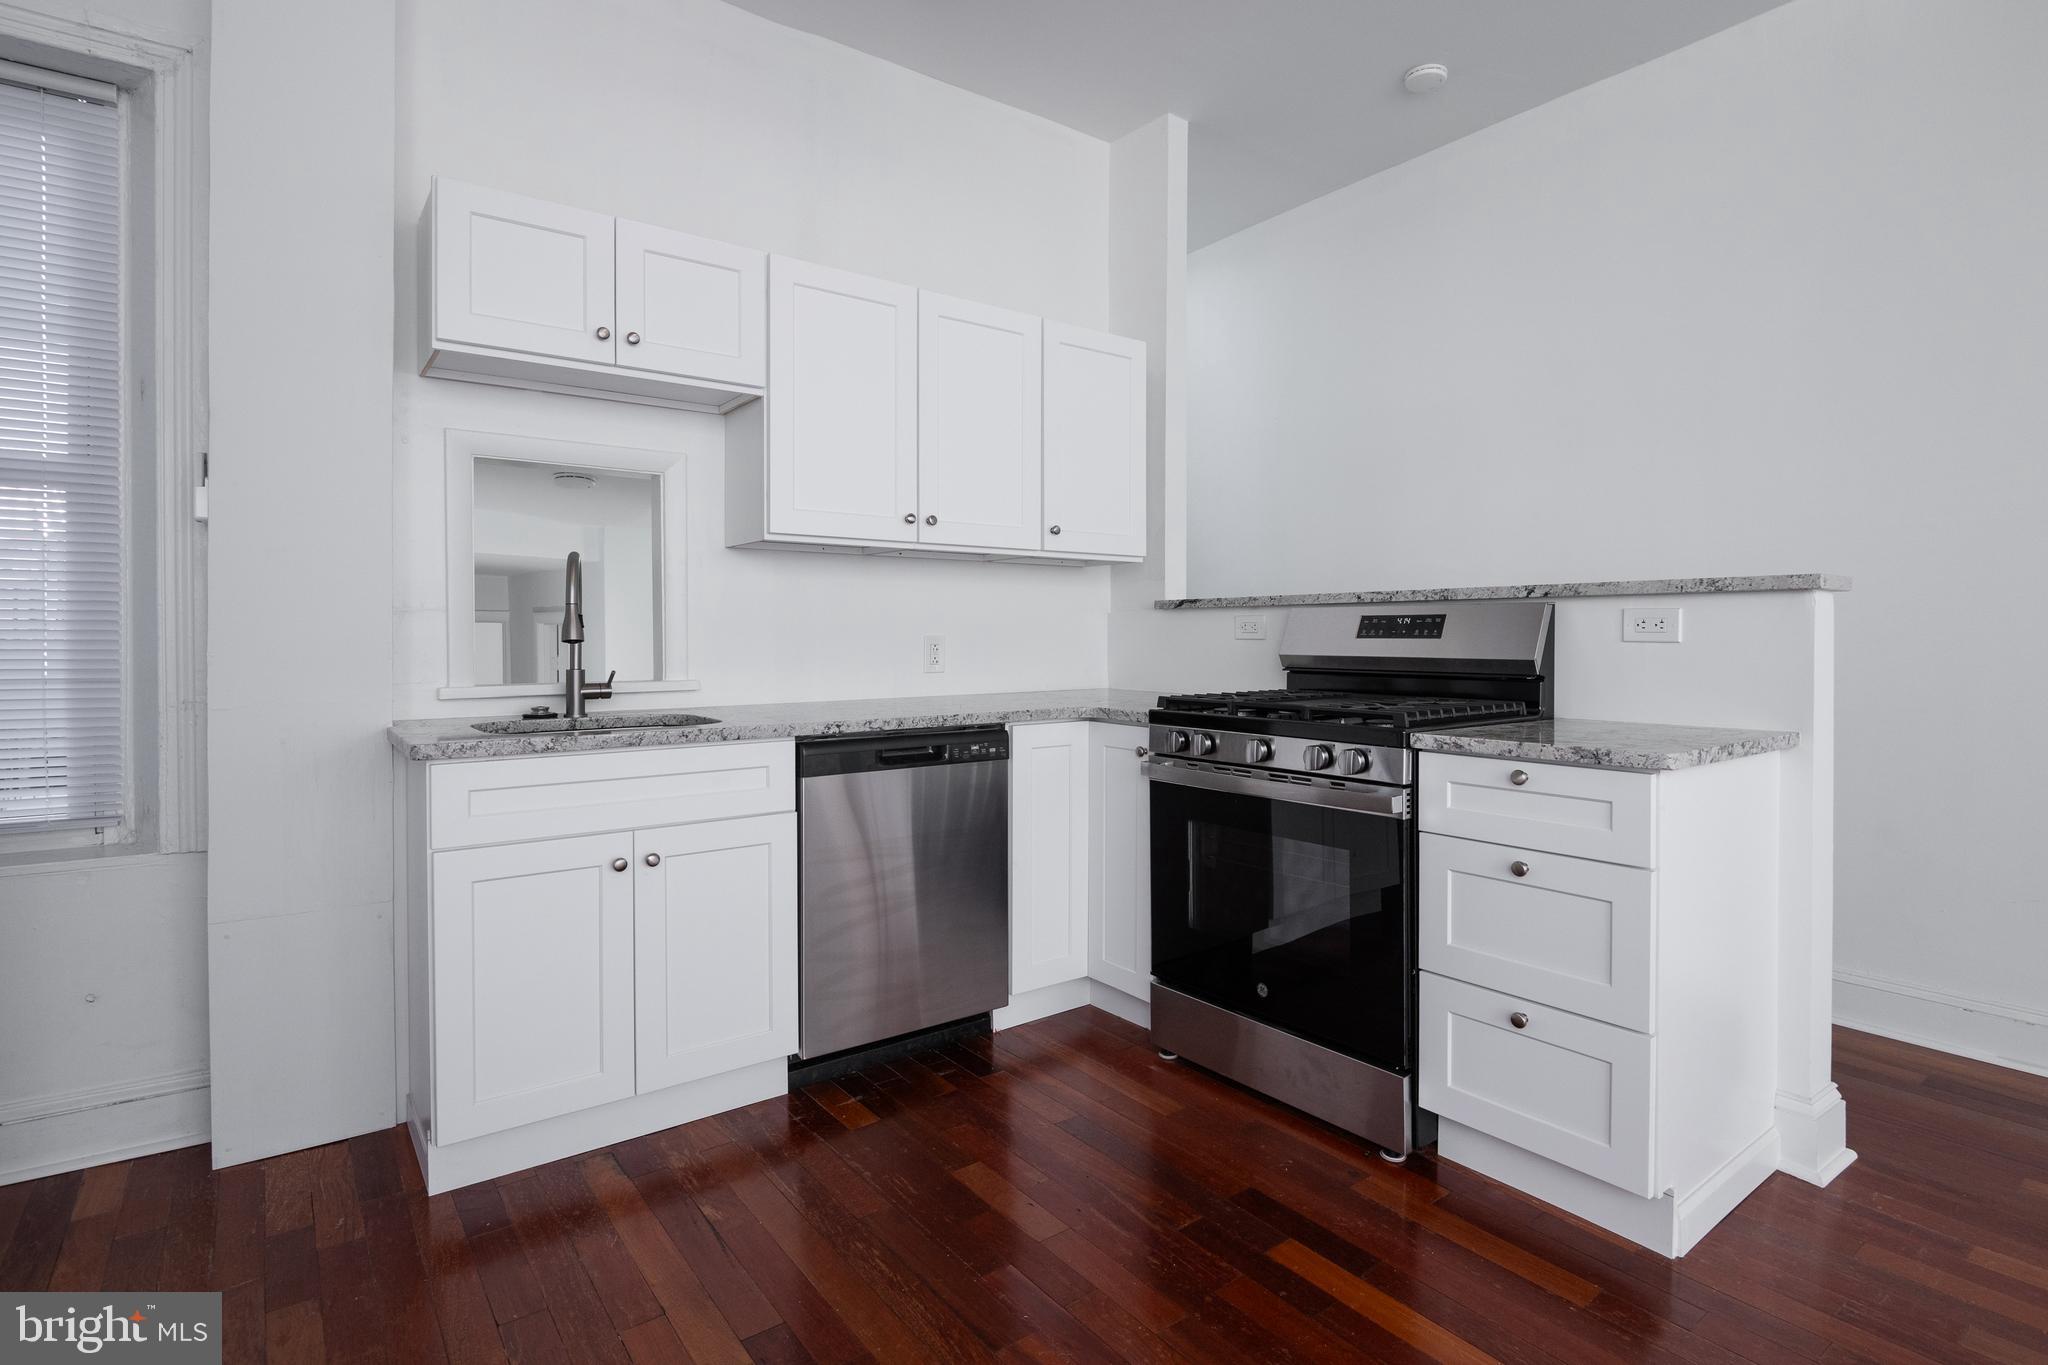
pixel 999 747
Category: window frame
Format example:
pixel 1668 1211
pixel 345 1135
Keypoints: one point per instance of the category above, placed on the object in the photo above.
pixel 161 451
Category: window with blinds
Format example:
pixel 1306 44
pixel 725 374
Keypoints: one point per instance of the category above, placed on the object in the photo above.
pixel 61 627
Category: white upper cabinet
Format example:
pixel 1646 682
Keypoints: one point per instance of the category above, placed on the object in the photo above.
pixel 1094 442
pixel 519 274
pixel 692 307
pixel 842 405
pixel 979 408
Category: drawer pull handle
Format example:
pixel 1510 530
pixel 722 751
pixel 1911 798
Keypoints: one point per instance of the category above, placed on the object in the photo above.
pixel 1519 868
pixel 1519 1019
pixel 1519 778
pixel 618 864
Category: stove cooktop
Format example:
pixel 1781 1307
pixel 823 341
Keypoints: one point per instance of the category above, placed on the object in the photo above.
pixel 1341 708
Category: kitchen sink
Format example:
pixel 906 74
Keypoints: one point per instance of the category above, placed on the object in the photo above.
pixel 610 720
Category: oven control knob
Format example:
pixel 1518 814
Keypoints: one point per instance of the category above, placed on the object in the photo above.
pixel 1317 757
pixel 1205 744
pixel 1177 742
pixel 1356 761
pixel 1257 751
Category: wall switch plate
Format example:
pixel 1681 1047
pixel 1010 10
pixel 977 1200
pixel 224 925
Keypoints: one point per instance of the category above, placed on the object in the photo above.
pixel 1653 625
pixel 935 654
pixel 1249 628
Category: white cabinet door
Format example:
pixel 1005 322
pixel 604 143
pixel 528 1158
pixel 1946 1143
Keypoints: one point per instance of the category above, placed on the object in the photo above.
pixel 533 982
pixel 1094 442
pixel 1048 854
pixel 519 274
pixel 1543 1079
pixel 692 307
pixel 1120 862
pixel 715 910
pixel 842 404
pixel 979 447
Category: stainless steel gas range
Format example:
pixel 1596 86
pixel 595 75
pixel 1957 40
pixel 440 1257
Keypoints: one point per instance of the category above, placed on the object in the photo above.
pixel 1283 851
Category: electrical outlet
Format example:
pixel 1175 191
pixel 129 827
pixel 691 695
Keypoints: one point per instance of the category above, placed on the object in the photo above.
pixel 1653 625
pixel 1250 628
pixel 935 654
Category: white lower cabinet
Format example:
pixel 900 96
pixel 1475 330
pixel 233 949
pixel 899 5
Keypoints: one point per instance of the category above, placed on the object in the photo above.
pixel 1080 869
pixel 1048 854
pixel 533 982
pixel 715 907
pixel 1120 861
pixel 570 992
pixel 1598 1005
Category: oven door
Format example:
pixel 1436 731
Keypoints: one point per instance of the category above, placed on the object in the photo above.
pixel 1287 902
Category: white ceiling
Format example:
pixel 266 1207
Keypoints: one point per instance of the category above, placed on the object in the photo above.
pixel 1286 100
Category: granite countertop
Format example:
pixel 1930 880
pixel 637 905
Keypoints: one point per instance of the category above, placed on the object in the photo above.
pixel 453 737
pixel 1631 746
pixel 1639 587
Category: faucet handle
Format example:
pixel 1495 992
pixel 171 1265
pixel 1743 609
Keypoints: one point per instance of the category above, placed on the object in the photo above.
pixel 600 691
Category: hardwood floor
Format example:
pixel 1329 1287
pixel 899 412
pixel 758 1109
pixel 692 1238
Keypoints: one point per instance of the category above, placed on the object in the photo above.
pixel 1059 1193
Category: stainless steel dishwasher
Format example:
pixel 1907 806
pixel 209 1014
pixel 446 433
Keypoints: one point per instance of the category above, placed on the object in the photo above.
pixel 905 885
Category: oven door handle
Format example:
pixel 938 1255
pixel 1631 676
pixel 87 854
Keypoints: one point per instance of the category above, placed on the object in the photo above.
pixel 1360 799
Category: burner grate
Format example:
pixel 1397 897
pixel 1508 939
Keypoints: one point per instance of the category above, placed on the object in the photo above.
pixel 1341 708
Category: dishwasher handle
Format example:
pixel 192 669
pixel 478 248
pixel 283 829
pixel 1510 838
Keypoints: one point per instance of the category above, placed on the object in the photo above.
pixel 930 753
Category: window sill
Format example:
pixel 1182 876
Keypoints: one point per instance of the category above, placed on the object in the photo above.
pixel 555 689
pixel 28 861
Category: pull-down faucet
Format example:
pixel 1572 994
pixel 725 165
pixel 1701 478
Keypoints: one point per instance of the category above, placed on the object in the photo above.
pixel 575 691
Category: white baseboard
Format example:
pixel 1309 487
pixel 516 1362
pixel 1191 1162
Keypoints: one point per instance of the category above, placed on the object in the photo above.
pixel 1062 996
pixel 51 1134
pixel 1987 1030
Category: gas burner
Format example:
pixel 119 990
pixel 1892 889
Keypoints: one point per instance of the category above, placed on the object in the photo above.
pixel 1342 708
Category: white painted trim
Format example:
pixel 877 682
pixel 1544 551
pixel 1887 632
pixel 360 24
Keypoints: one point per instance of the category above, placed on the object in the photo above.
pixel 487 691
pixel 534 1144
pixel 1110 1000
pixel 1987 1030
pixel 1057 998
pixel 164 76
pixel 51 1134
pixel 671 555
pixel 1668 1225
pixel 1814 1135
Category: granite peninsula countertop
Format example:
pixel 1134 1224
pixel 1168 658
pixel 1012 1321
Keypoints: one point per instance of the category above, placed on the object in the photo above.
pixel 1636 587
pixel 1631 746
pixel 453 737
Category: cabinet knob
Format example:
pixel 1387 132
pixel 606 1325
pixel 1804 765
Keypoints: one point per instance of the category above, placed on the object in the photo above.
pixel 1519 1019
pixel 618 864
pixel 1142 752
pixel 654 860
pixel 1518 777
pixel 604 334
pixel 931 521
pixel 1055 530
pixel 632 338
pixel 910 518
pixel 1519 868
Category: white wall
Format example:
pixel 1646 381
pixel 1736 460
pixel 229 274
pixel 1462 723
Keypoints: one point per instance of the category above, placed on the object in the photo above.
pixel 698 116
pixel 299 660
pixel 103 1048
pixel 1774 302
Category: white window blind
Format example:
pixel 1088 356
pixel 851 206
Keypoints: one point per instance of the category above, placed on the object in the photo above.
pixel 61 630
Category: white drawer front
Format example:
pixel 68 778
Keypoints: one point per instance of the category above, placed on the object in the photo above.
pixel 1586 812
pixel 1563 1087
pixel 505 800
pixel 1568 932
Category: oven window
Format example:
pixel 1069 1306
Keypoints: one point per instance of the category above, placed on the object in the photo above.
pixel 1295 915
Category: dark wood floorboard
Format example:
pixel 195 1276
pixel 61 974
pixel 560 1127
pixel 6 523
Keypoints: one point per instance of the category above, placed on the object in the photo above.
pixel 1059 1193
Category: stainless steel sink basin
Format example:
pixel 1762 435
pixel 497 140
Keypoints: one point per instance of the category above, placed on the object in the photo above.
pixel 610 720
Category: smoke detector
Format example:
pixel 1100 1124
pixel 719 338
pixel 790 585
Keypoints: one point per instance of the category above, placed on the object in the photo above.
pixel 566 479
pixel 1420 80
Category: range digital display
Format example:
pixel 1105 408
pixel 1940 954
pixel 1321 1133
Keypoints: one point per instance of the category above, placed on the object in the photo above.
pixel 1401 627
